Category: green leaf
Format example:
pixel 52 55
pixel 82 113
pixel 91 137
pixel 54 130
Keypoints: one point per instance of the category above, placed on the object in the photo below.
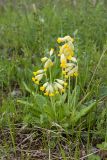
pixel 74 97
pixel 78 115
pixel 62 153
pixel 40 100
pixel 28 89
pixel 103 91
pixel 24 102
pixel 61 99
pixel 102 146
pixel 94 157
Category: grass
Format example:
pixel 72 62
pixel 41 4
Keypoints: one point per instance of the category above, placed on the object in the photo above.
pixel 29 127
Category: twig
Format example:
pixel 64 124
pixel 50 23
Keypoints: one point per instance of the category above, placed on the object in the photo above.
pixel 26 139
pixel 82 158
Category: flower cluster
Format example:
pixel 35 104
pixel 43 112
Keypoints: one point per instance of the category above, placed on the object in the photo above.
pixel 68 64
pixel 66 53
pixel 50 89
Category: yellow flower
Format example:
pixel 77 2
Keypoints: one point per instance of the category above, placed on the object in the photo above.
pixel 59 40
pixel 46 93
pixel 62 48
pixel 73 59
pixel 37 82
pixel 63 90
pixel 70 65
pixel 39 77
pixel 68 69
pixel 63 61
pixel 63 64
pixel 35 73
pixel 65 84
pixel 71 45
pixel 51 94
pixel 44 59
pixel 45 84
pixel 42 88
pixel 51 51
pixel 74 70
pixel 33 79
pixel 76 74
pixel 66 76
pixel 49 88
pixel 69 57
pixel 38 72
pixel 48 64
pixel 63 72
pixel 58 86
pixel 67 50
pixel 60 81
pixel 64 39
pixel 71 69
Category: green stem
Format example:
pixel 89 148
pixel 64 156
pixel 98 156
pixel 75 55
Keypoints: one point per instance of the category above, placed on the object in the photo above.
pixel 53 106
pixel 106 126
pixel 12 136
pixel 75 94
pixel 50 75
pixel 69 87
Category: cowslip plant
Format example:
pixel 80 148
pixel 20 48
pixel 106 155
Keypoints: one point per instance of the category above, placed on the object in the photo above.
pixel 56 99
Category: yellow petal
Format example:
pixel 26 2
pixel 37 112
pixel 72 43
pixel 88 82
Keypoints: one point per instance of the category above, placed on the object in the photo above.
pixel 51 94
pixel 59 40
pixel 76 74
pixel 48 64
pixel 51 51
pixel 33 79
pixel 46 93
pixel 65 84
pixel 44 59
pixel 42 88
pixel 35 73
pixel 37 82
pixel 66 76
pixel 64 72
pixel 63 61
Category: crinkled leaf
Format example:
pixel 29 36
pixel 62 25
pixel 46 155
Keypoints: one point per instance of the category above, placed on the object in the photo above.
pixel 40 100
